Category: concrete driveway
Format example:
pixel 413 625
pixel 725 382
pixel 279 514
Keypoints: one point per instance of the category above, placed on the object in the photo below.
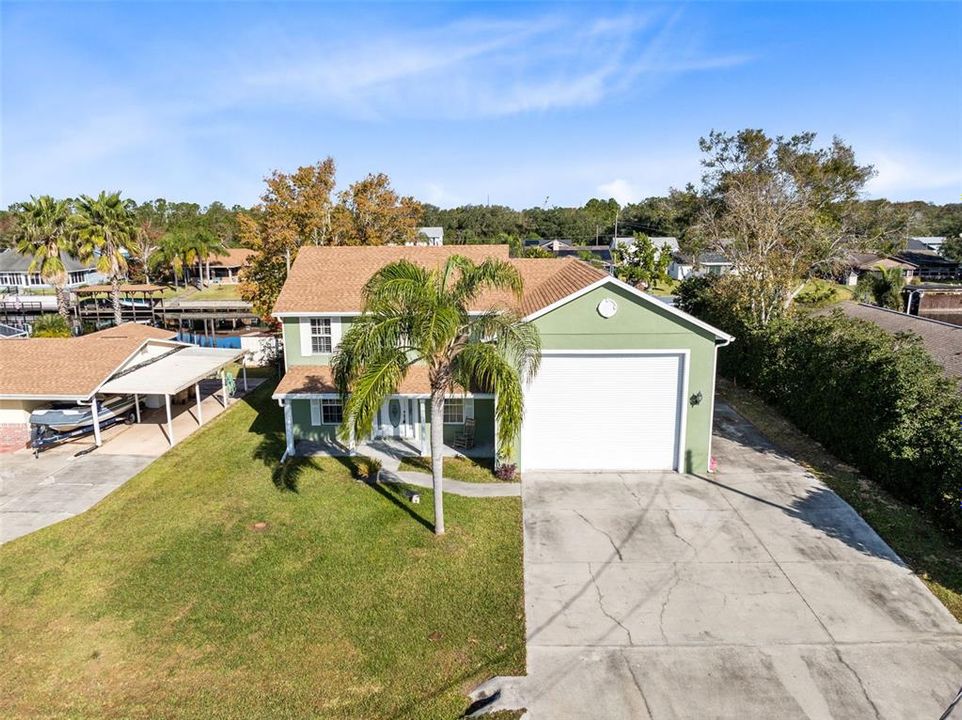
pixel 68 479
pixel 757 593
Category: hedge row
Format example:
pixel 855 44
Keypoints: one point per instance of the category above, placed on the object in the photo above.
pixel 876 400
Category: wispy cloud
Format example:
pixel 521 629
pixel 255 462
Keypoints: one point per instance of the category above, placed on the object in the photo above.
pixel 485 68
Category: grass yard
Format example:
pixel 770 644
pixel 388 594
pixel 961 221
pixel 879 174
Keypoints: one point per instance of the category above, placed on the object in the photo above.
pixel 166 601
pixel 819 293
pixel 664 287
pixel 927 548
pixel 473 470
pixel 221 291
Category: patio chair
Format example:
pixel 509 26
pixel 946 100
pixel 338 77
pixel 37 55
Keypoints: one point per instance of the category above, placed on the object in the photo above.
pixel 464 439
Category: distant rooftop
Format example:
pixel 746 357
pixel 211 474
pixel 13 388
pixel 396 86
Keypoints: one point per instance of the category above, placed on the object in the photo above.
pixel 942 340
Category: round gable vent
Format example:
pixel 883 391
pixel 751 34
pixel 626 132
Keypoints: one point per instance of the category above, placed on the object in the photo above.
pixel 607 308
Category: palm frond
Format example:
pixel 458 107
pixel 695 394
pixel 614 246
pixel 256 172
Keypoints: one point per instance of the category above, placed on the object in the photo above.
pixel 372 385
pixel 482 365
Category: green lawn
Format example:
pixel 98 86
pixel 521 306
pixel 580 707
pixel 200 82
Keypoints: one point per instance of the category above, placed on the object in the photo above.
pixel 223 291
pixel 819 293
pixel 929 550
pixel 663 287
pixel 473 470
pixel 165 601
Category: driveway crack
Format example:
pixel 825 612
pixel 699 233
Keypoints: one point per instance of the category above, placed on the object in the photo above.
pixel 601 606
pixel 611 540
pixel 664 604
pixel 861 684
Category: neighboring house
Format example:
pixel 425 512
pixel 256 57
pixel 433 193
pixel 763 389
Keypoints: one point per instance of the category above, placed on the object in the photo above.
pixel 857 264
pixel 225 267
pixel 14 271
pixel 684 265
pixel 931 265
pixel 129 359
pixel 933 243
pixel 942 340
pixel 935 302
pixel 601 254
pixel 626 382
pixel 658 241
pixel 431 236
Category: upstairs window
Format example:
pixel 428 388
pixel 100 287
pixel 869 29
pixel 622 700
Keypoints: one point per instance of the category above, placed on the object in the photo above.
pixel 321 339
pixel 332 413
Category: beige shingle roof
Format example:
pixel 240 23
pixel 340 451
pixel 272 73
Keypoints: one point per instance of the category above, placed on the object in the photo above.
pixel 312 379
pixel 69 367
pixel 331 279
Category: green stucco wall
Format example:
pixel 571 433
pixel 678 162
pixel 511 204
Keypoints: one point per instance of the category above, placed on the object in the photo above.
pixel 292 343
pixel 640 326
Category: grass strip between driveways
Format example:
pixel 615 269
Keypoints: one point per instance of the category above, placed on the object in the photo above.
pixel 932 553
pixel 167 601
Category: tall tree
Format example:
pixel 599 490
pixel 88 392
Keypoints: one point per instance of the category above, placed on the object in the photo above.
pixel 295 210
pixel 641 262
pixel 43 231
pixel 370 212
pixel 416 315
pixel 105 230
pixel 779 208
pixel 146 244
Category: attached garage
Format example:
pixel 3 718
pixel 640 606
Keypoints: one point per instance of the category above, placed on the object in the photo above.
pixel 617 410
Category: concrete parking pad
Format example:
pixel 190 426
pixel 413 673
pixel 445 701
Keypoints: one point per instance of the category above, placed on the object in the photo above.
pixel 68 479
pixel 753 593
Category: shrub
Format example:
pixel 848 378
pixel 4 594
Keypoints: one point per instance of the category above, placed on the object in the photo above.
pixel 506 472
pixel 48 326
pixel 365 468
pixel 876 400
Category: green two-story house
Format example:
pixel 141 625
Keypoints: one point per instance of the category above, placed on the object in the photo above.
pixel 626 382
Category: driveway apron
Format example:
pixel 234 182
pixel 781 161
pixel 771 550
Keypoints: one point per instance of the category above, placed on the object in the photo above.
pixel 752 593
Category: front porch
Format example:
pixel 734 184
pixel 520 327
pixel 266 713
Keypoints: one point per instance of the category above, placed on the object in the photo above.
pixel 393 448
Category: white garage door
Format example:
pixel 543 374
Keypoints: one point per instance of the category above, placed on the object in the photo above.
pixel 604 412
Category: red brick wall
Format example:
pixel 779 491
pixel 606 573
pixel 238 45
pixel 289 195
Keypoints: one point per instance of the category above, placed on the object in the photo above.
pixel 13 436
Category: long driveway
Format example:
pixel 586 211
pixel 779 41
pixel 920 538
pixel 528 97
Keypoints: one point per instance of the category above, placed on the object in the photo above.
pixel 757 593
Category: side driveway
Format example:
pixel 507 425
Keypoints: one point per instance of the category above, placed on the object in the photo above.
pixel 755 593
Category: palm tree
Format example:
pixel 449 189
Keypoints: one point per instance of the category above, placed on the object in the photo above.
pixel 415 315
pixel 206 244
pixel 44 232
pixel 105 230
pixel 882 286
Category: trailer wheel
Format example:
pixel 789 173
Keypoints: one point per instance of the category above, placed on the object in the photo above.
pixel 130 418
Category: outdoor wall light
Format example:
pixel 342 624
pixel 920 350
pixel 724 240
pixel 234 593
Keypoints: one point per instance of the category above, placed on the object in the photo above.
pixel 695 399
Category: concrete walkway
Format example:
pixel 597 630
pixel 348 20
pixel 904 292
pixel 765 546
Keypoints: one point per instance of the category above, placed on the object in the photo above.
pixel 68 479
pixel 754 594
pixel 391 473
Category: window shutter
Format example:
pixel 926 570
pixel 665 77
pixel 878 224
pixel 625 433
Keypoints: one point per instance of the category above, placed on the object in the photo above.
pixel 315 412
pixel 305 337
pixel 335 333
pixel 469 408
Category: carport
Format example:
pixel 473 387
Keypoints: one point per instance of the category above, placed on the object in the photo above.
pixel 172 373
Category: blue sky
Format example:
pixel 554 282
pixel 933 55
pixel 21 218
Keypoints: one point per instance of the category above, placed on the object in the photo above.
pixel 519 104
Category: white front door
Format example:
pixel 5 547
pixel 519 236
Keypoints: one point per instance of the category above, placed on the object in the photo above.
pixel 603 411
pixel 396 418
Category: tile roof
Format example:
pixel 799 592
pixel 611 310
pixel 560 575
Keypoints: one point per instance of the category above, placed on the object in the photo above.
pixel 331 279
pixel 69 367
pixel 943 341
pixel 315 379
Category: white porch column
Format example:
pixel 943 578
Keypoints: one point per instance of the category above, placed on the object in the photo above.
pixel 289 426
pixel 496 461
pixel 137 406
pixel 423 427
pixel 352 442
pixel 170 421
pixel 223 387
pixel 200 412
pixel 96 417
pixel 244 371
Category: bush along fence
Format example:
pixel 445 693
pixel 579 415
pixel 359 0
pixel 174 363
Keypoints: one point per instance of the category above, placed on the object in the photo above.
pixel 877 401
